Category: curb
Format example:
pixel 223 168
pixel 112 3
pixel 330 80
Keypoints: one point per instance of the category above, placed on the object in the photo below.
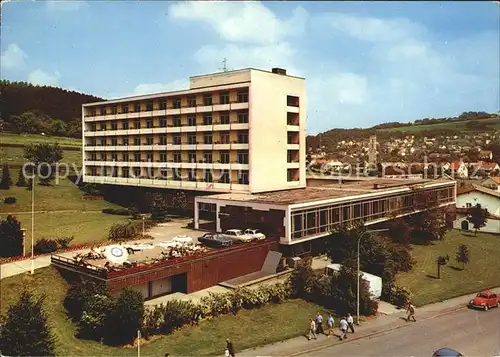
pixel 377 333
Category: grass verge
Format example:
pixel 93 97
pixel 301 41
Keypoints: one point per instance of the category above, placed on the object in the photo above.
pixel 482 272
pixel 11 138
pixel 13 156
pixel 247 329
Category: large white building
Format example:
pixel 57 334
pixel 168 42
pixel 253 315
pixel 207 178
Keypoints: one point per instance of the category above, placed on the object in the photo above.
pixel 236 131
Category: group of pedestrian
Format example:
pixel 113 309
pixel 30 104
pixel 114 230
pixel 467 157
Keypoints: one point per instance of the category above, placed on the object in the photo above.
pixel 316 326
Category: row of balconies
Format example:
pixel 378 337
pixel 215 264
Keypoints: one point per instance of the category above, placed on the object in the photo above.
pixel 182 164
pixel 170 111
pixel 172 129
pixel 174 147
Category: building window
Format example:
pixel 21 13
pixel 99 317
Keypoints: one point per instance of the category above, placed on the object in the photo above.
pixel 92 156
pixel 125 172
pixel 191 120
pixel 224 177
pixel 208 176
pixel 192 139
pixel 137 124
pixel 243 178
pixel 102 110
pixel 114 125
pixel 192 175
pixel 292 138
pixel 242 96
pixel 137 140
pixel 163 140
pixel 292 101
pixel 93 142
pixel 149 140
pixel 102 156
pixel 125 156
pixel 468 205
pixel 163 105
pixel 103 142
pixel 137 107
pixel 113 109
pixel 149 123
pixel 224 98
pixel 207 138
pixel 163 157
pixel 243 137
pixel 224 118
pixel 191 101
pixel 242 117
pixel 92 112
pixel 125 124
pixel 224 137
pixel 224 157
pixel 93 127
pixel 177 139
pixel 137 156
pixel 292 175
pixel 292 118
pixel 163 122
pixel 102 126
pixel 149 157
pixel 192 156
pixel 114 172
pixel 114 141
pixel 207 119
pixel 242 157
pixel 207 157
pixel 176 175
pixel 124 108
pixel 177 103
pixel 292 156
pixel 137 172
pixel 177 156
pixel 207 99
pixel 93 171
pixel 149 106
pixel 177 121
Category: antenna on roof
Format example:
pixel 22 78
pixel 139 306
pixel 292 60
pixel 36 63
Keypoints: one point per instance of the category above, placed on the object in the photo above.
pixel 224 65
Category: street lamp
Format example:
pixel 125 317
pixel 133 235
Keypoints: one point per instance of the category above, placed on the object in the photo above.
pixel 32 224
pixel 357 292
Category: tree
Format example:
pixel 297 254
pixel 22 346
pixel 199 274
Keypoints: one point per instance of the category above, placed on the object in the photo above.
pixel 463 255
pixel 21 180
pixel 301 279
pixel 125 318
pixel 58 127
pixel 179 201
pixel 94 320
pixel 427 226
pixel 78 294
pixel 159 208
pixel 44 156
pixel 477 216
pixel 6 181
pixel 11 237
pixel 26 331
pixel 399 231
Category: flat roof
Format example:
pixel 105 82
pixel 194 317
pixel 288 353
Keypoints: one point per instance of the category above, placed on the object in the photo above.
pixel 329 189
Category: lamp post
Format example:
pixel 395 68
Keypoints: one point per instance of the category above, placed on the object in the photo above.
pixel 143 219
pixel 32 224
pixel 357 292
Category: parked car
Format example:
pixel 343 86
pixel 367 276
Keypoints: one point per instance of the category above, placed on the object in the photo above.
pixel 484 300
pixel 237 236
pixel 447 352
pixel 215 240
pixel 255 233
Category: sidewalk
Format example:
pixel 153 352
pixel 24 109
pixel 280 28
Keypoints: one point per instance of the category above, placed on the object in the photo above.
pixel 384 324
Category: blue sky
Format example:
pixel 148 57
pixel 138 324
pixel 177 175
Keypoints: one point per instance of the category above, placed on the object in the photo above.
pixel 365 62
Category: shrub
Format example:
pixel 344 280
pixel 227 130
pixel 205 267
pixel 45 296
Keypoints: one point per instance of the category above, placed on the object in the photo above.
pixel 78 294
pixel 216 304
pixel 21 180
pixel 45 245
pixel 125 318
pixel 117 211
pixel 302 278
pixel 6 181
pixel 9 200
pixel 94 319
pixel 165 318
pixel 64 242
pixel 396 295
pixel 11 237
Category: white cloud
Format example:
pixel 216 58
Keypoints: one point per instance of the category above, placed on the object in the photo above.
pixel 64 5
pixel 40 77
pixel 148 88
pixel 245 21
pixel 13 57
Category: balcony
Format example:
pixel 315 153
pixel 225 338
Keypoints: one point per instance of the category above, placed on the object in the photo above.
pixel 293 165
pixel 293 128
pixel 239 126
pixel 293 146
pixel 293 109
pixel 239 146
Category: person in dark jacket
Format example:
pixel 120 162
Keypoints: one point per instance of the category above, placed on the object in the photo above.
pixel 230 347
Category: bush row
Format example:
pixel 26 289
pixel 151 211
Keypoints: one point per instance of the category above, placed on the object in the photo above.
pixel 45 245
pixel 117 211
pixel 10 200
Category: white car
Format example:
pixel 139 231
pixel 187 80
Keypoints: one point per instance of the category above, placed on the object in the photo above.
pixel 238 236
pixel 183 239
pixel 255 233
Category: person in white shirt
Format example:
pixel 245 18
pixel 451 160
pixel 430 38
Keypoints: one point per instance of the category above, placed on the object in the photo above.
pixel 312 330
pixel 329 323
pixel 350 322
pixel 343 328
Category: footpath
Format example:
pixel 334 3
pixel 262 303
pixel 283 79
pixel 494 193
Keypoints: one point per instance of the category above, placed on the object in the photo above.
pixel 384 324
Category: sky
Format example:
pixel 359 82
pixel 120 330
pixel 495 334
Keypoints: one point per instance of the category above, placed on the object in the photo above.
pixel 365 63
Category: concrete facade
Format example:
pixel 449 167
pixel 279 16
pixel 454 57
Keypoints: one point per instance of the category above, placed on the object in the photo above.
pixel 236 131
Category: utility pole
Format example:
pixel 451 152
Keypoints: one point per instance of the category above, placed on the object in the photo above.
pixel 33 225
pixel 224 65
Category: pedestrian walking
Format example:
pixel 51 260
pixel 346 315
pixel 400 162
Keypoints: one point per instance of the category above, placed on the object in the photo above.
pixel 350 322
pixel 329 323
pixel 411 312
pixel 319 323
pixel 343 328
pixel 230 347
pixel 312 330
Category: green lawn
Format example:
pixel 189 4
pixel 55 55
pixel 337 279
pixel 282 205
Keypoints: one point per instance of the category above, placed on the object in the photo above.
pixel 249 328
pixel 14 156
pixel 492 123
pixel 482 272
pixel 11 138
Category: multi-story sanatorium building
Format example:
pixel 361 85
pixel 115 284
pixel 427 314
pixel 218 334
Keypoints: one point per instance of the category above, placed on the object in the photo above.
pixel 237 131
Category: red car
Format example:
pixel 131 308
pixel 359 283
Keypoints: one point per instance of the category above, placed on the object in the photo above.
pixel 484 300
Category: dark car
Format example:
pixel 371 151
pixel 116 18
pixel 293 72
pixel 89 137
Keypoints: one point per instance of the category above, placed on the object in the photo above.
pixel 447 352
pixel 215 240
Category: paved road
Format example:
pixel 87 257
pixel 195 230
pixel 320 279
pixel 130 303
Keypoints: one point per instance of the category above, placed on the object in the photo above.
pixel 474 333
